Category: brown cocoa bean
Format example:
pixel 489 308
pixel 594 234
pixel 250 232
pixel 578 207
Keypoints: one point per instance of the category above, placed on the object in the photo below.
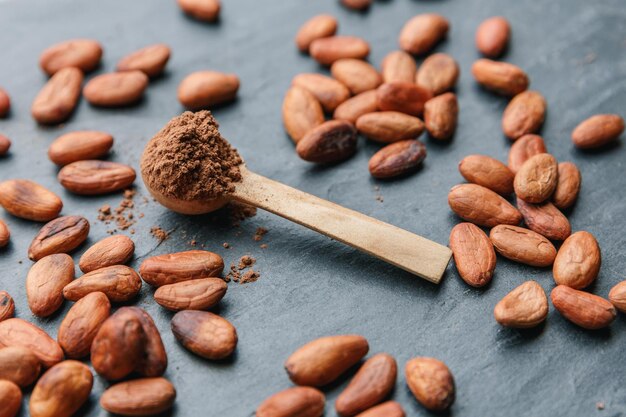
pixel 292 402
pixel 536 180
pixel 369 386
pixel 113 250
pixel 93 177
pixel 150 60
pixel 500 77
pixel 488 172
pixel 474 256
pixel 386 409
pixel 431 383
pixel 320 26
pixel 181 266
pixel 583 309
pixel 84 54
pixel 438 73
pixel 598 131
pixel 617 295
pixel 56 101
pixel 523 149
pixel 403 97
pixel 420 34
pixel 357 4
pixel 522 245
pixel 29 200
pixel 389 126
pixel 119 282
pixel 119 345
pixel 205 10
pixel 116 89
pixel 10 398
pixel 524 114
pixel 333 48
pixel 5 143
pixel 205 334
pixel 441 114
pixel 545 219
pixel 568 185
pixel 197 294
pixel 79 146
pixel 140 397
pixel 330 92
pixel 62 390
pixel 301 112
pixel 18 332
pixel 398 66
pixel 61 235
pixel 482 206
pixel 323 360
pixel 7 306
pixel 153 362
pixel 19 365
pixel 5 104
pixel 578 262
pixel 398 158
pixel 492 36
pixel 81 324
pixel 524 307
pixel 45 282
pixel 357 106
pixel 359 76
pixel 5 234
pixel 330 142
pixel 205 89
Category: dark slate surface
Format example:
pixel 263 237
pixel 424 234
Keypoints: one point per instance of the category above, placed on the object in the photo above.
pixel 575 54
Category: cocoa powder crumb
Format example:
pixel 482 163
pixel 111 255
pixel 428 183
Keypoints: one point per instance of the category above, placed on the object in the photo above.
pixel 249 276
pixel 263 246
pixel 246 277
pixel 378 197
pixel 226 245
pixel 122 215
pixel 260 232
pixel 233 274
pixel 600 406
pixel 246 261
pixel 189 159
pixel 159 233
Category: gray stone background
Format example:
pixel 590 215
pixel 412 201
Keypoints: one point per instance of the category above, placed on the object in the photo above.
pixel 575 54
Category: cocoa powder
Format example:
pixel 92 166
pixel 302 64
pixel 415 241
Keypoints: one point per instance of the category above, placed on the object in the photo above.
pixel 159 234
pixel 189 159
pixel 122 216
pixel 243 272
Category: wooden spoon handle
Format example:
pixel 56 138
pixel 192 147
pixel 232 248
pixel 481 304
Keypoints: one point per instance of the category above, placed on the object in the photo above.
pixel 399 247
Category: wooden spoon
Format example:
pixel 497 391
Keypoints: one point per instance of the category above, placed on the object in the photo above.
pixel 399 247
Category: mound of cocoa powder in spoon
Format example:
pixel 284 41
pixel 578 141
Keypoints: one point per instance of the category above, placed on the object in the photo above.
pixel 189 159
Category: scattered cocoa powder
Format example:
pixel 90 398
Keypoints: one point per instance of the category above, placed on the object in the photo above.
pixel 263 246
pixel 226 245
pixel 249 276
pixel 189 159
pixel 122 215
pixel 159 233
pixel 246 277
pixel 260 232
pixel 379 197
pixel 246 261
